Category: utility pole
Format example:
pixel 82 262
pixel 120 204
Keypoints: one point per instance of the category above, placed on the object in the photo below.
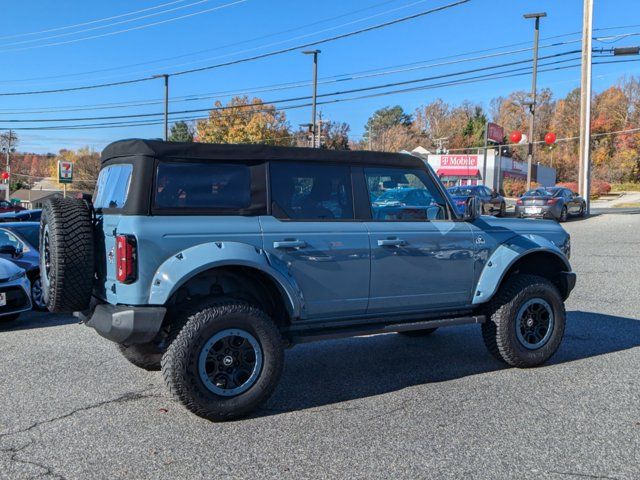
pixel 314 124
pixel 8 168
pixel 166 104
pixel 534 80
pixel 584 168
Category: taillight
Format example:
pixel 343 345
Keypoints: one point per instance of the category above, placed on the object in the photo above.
pixel 126 258
pixel 552 201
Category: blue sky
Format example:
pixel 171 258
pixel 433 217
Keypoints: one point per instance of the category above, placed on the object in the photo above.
pixel 253 26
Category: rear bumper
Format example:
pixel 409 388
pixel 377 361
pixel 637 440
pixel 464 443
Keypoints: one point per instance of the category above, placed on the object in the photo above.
pixel 546 211
pixel 126 324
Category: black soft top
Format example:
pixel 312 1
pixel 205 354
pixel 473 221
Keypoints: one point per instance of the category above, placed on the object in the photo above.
pixel 230 152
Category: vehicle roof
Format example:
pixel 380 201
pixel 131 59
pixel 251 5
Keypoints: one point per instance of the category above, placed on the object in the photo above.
pixel 240 152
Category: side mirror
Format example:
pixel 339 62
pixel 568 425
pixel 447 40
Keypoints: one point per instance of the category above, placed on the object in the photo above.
pixel 8 250
pixel 472 209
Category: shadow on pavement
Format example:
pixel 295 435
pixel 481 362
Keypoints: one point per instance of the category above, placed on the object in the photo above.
pixel 330 372
pixel 31 320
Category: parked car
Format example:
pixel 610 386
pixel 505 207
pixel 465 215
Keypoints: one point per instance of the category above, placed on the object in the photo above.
pixel 19 244
pixel 551 202
pixel 404 203
pixel 9 207
pixel 492 203
pixel 207 260
pixel 14 291
pixel 21 216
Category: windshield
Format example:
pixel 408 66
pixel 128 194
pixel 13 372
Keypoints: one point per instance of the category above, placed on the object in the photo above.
pixel 538 192
pixel 30 234
pixel 462 191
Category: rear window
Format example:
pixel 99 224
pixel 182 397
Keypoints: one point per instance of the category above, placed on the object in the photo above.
pixel 198 186
pixel 113 185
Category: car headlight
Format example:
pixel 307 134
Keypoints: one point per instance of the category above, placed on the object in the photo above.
pixel 17 276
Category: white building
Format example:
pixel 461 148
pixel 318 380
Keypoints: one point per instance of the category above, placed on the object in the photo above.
pixel 471 169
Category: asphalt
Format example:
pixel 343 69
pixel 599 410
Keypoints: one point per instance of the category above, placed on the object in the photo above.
pixel 376 407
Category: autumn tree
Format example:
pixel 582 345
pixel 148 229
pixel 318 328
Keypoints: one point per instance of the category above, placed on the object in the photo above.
pixel 388 129
pixel 181 132
pixel 244 120
pixel 86 167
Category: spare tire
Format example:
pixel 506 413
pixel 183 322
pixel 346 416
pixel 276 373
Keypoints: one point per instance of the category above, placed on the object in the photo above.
pixel 66 254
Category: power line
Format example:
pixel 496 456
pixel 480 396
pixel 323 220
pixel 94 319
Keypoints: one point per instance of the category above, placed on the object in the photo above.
pixel 117 32
pixel 375 87
pixel 91 22
pixel 249 59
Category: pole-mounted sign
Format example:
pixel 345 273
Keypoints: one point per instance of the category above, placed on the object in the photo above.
pixel 65 171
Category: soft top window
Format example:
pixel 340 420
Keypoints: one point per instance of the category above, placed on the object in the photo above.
pixel 197 186
pixel 112 188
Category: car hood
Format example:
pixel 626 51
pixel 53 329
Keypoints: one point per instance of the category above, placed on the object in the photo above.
pixel 8 269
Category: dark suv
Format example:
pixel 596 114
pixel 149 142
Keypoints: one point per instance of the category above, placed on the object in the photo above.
pixel 208 260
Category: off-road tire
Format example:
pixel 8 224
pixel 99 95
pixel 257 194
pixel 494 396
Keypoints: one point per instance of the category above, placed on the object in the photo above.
pixel 147 356
pixel 9 318
pixel 425 332
pixel 69 283
pixel 180 361
pixel 499 330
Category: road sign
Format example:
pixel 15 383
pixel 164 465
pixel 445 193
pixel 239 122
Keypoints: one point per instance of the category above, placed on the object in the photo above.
pixel 65 171
pixel 495 132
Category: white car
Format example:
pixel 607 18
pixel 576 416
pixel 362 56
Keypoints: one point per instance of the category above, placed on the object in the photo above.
pixel 14 291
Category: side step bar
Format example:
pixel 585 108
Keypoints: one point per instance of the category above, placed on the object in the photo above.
pixel 312 335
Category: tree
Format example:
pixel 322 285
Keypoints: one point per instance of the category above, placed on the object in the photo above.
pixel 244 121
pixel 181 132
pixel 86 167
pixel 379 125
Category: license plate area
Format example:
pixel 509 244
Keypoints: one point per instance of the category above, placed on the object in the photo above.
pixel 533 210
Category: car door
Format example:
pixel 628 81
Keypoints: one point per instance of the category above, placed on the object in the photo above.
pixel 421 258
pixel 312 236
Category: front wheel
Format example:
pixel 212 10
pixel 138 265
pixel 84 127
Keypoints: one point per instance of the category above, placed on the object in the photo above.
pixel 37 297
pixel 525 322
pixel 225 361
pixel 564 215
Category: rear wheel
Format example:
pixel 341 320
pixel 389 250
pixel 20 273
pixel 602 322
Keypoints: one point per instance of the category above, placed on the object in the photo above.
pixel 564 214
pixel 225 361
pixel 66 255
pixel 418 333
pixel 525 322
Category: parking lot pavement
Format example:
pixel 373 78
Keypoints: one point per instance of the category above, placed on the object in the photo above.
pixel 377 407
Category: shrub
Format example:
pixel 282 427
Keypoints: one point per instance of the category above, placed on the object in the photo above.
pixel 513 187
pixel 600 187
pixel 626 187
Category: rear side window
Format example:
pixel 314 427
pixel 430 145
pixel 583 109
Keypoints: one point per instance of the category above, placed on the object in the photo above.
pixel 112 187
pixel 311 192
pixel 198 186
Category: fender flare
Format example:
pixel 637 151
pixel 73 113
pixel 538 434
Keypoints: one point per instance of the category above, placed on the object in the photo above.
pixel 505 256
pixel 181 267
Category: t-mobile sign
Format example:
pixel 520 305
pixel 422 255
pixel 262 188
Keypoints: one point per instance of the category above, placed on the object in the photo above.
pixel 459 161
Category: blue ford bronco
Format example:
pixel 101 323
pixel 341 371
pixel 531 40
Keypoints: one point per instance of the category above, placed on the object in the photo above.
pixel 207 261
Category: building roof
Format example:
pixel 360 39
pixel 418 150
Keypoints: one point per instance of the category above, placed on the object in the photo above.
pixel 236 152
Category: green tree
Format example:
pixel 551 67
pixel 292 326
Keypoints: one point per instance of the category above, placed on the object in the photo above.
pixel 181 132
pixel 381 122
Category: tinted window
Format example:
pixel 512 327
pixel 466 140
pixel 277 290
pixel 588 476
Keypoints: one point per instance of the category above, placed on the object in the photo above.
pixel 112 188
pixel 310 191
pixel 399 194
pixel 538 192
pixel 203 186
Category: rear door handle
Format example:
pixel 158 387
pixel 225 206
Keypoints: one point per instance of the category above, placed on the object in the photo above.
pixel 290 244
pixel 391 242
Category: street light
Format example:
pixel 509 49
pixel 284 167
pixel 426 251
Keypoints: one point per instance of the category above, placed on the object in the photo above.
pixel 532 104
pixel 314 129
pixel 166 104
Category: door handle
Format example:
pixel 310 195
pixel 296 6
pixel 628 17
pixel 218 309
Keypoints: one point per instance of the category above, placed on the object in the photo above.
pixel 391 242
pixel 290 244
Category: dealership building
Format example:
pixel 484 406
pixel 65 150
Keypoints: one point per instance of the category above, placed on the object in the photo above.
pixel 474 169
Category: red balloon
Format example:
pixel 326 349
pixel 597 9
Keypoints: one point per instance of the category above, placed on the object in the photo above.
pixel 5 176
pixel 515 136
pixel 550 138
